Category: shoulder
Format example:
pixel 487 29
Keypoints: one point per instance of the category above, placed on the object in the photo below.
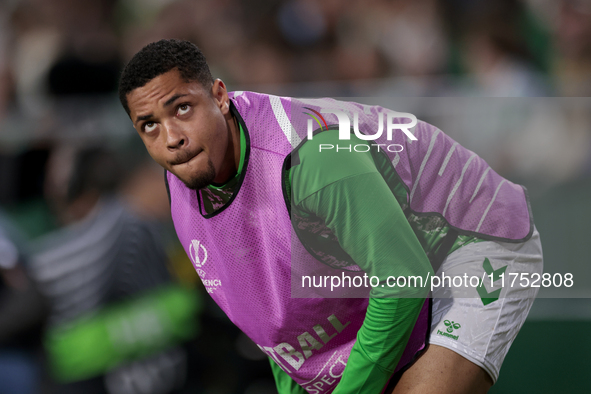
pixel 325 159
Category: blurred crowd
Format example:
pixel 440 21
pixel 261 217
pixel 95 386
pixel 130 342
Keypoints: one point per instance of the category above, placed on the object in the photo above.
pixel 89 264
pixel 52 52
pixel 505 47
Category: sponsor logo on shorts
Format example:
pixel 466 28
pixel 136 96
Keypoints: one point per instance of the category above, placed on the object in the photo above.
pixel 492 275
pixel 451 326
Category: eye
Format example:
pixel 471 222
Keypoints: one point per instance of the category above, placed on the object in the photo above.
pixel 183 109
pixel 149 127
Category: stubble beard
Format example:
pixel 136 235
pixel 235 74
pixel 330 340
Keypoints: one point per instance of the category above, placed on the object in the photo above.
pixel 202 179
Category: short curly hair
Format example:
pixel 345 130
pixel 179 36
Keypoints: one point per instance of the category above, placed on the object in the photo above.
pixel 160 57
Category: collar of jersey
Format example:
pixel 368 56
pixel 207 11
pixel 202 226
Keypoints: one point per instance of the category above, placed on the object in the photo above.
pixel 232 182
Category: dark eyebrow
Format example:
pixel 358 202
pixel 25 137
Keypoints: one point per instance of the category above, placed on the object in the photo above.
pixel 166 104
pixel 143 117
pixel 173 99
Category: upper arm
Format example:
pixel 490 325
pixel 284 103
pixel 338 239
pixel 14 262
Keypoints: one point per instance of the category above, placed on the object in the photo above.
pixel 347 191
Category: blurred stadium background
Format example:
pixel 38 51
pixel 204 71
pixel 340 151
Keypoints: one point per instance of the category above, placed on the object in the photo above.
pixel 86 245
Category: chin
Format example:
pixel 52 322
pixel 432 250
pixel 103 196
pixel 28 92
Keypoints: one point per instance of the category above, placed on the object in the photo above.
pixel 201 180
pixel 197 184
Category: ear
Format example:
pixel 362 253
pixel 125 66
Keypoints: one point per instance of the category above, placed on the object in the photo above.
pixel 220 95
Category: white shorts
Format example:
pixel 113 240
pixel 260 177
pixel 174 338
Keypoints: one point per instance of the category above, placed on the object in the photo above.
pixel 479 322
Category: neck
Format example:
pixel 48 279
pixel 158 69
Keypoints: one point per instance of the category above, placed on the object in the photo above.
pixel 232 151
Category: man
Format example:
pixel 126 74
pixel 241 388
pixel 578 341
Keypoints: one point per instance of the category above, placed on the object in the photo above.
pixel 261 204
pixel 105 277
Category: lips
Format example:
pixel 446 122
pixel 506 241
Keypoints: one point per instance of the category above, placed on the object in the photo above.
pixel 184 158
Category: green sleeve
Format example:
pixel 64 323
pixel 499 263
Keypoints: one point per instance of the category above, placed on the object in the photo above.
pixel 359 207
pixel 285 384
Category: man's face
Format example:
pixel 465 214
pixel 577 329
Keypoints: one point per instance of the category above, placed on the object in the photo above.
pixel 186 128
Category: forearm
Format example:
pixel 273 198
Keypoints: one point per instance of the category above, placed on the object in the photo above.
pixel 380 343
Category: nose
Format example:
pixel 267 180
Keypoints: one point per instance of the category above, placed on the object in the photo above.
pixel 175 137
